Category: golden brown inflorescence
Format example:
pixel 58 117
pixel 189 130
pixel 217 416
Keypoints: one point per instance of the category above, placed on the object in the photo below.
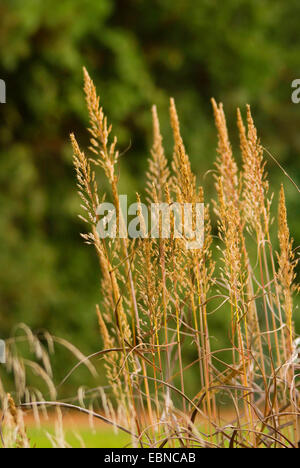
pixel 157 297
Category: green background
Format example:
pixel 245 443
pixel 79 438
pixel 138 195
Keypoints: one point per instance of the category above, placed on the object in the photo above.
pixel 138 52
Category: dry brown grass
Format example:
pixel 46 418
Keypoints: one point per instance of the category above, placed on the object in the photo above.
pixel 158 297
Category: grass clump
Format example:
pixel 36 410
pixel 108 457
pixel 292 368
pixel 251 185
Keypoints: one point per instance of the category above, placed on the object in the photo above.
pixel 158 296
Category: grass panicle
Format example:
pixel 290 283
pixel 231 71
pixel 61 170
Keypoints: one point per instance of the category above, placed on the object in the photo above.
pixel 166 376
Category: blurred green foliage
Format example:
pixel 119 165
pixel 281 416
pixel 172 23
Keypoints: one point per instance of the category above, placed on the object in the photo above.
pixel 138 52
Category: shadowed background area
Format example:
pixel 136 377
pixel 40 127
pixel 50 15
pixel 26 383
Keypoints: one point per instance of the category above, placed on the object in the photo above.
pixel 138 53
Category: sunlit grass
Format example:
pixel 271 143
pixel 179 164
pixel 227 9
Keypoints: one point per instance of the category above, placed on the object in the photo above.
pixel 77 438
